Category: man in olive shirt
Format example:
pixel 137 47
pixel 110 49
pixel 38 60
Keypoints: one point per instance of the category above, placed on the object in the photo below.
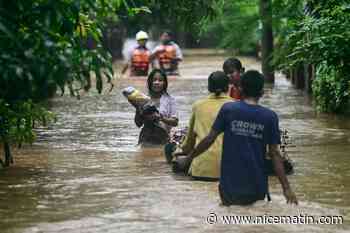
pixel 207 166
pixel 248 128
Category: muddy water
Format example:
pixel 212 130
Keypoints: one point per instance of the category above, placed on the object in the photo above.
pixel 86 174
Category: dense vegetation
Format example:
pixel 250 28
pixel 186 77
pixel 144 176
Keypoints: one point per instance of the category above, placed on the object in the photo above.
pixel 304 32
pixel 253 27
pixel 43 48
pixel 322 38
pixel 49 45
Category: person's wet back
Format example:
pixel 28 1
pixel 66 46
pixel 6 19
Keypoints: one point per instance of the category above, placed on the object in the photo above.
pixel 160 114
pixel 207 166
pixel 248 128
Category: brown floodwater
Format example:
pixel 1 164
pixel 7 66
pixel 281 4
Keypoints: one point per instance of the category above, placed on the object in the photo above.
pixel 85 172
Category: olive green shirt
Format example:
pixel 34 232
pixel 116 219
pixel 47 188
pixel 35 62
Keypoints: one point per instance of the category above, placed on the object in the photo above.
pixel 204 113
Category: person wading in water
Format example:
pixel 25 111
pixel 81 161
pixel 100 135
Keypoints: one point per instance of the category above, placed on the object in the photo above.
pixel 138 59
pixel 168 54
pixel 233 69
pixel 207 166
pixel 159 115
pixel 248 129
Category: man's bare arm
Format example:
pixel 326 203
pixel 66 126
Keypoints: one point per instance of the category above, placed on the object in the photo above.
pixel 204 144
pixel 279 170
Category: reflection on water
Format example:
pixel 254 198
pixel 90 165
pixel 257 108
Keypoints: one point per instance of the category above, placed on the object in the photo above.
pixel 86 173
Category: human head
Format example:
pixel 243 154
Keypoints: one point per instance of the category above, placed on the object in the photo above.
pixel 141 38
pixel 233 68
pixel 166 37
pixel 252 83
pixel 157 82
pixel 218 82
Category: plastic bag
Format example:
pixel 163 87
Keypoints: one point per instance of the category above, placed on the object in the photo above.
pixel 136 97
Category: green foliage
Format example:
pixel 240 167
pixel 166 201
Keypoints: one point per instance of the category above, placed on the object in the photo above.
pixel 236 25
pixel 323 38
pixel 312 32
pixel 48 45
pixel 175 15
pixel 44 47
pixel 331 89
pixel 287 15
pixel 18 119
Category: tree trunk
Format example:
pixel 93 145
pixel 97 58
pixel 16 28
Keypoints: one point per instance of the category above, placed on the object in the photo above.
pixel 308 78
pixel 113 39
pixel 8 157
pixel 300 79
pixel 181 38
pixel 267 40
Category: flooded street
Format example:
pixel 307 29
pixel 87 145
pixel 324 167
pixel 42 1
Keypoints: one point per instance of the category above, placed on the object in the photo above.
pixel 86 173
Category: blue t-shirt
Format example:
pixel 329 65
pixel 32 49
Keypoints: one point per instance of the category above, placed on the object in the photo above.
pixel 247 130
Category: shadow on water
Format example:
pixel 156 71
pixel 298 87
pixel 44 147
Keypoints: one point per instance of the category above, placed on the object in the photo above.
pixel 86 173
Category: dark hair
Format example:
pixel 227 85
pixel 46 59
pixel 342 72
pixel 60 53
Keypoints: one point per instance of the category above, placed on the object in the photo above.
pixel 252 83
pixel 232 64
pixel 150 81
pixel 218 82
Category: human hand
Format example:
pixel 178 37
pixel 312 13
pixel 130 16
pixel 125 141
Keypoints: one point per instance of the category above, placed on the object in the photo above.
pixel 290 196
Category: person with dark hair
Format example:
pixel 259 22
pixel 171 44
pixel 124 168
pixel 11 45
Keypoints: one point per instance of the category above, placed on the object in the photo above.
pixel 253 85
pixel 158 116
pixel 233 69
pixel 207 166
pixel 168 54
pixel 248 129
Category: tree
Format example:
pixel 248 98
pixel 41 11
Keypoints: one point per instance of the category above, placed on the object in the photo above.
pixel 178 16
pixel 322 38
pixel 45 46
pixel 246 27
pixel 265 8
pixel 235 26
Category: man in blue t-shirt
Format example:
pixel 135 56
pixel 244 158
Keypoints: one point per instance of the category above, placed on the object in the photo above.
pixel 248 128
